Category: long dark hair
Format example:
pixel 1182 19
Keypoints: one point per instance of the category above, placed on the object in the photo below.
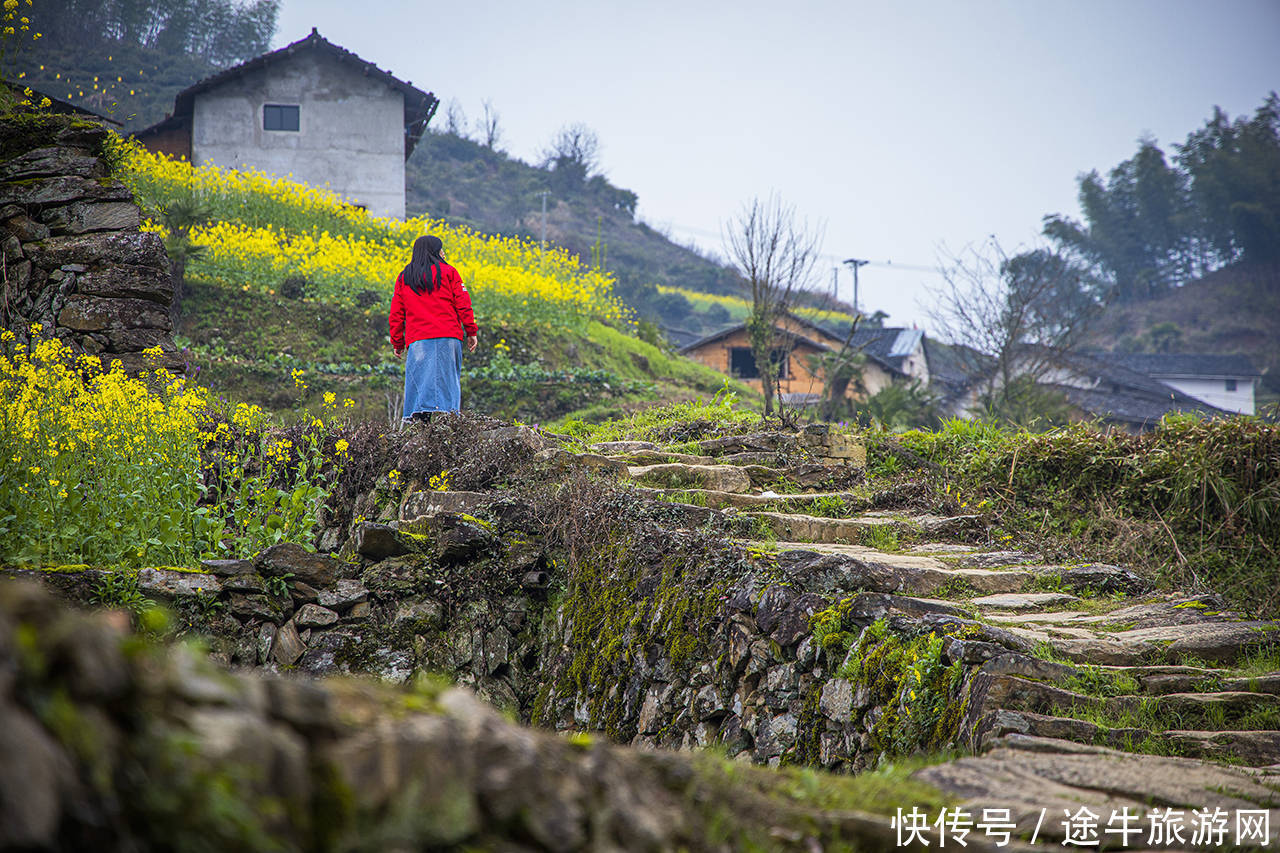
pixel 423 270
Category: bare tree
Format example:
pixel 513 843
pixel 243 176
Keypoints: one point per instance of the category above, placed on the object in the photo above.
pixel 1013 319
pixel 490 131
pixel 839 369
pixel 455 119
pixel 574 150
pixel 775 252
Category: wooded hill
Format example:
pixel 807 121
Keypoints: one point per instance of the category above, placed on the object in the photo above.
pixel 469 183
pixel 1235 310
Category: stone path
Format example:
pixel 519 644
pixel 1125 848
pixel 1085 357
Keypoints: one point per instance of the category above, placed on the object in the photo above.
pixel 1086 687
pixel 1066 685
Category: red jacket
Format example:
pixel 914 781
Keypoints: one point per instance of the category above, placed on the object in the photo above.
pixel 442 313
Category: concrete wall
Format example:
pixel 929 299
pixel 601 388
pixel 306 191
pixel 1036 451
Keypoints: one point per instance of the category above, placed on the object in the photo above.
pixel 916 365
pixel 1215 393
pixel 350 136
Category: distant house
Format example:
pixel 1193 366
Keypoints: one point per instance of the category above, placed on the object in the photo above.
pixel 1099 386
pixel 891 355
pixel 312 110
pixel 1226 382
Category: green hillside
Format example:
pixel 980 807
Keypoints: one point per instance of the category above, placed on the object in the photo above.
pixel 244 346
pixel 288 289
pixel 466 182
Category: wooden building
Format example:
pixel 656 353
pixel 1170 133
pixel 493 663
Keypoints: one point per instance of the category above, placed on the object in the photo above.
pixel 806 349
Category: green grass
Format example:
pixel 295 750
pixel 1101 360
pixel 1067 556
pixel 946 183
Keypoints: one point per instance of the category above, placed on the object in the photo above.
pixel 1192 501
pixel 1095 681
pixel 685 421
pixel 828 506
pixel 880 791
pixel 762 530
pixel 1262 660
pixel 246 344
pixel 882 537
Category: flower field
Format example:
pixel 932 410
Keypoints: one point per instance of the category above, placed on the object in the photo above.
pixel 107 469
pixel 263 230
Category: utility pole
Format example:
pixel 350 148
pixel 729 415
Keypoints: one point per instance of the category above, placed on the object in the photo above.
pixel 835 283
pixel 542 244
pixel 854 263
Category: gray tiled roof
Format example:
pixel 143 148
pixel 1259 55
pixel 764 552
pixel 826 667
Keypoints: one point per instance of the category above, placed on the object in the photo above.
pixel 1124 395
pixel 419 106
pixel 1184 364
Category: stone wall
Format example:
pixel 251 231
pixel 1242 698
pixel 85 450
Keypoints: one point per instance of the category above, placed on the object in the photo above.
pixel 578 604
pixel 74 261
pixel 110 743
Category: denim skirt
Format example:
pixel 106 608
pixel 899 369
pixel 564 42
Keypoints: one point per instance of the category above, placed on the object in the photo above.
pixel 433 376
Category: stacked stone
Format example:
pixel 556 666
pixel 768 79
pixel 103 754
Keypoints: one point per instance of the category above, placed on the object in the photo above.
pixel 74 261
pixel 109 744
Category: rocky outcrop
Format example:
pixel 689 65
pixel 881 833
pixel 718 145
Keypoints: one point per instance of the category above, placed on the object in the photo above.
pixel 74 260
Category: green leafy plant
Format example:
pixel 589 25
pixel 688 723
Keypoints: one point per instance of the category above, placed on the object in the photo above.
pixel 120 589
pixel 882 537
pixel 277 586
pixel 829 506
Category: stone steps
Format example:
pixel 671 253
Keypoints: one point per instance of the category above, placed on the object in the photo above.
pixel 834 569
pixel 817 440
pixel 1012 694
pixel 678 475
pixel 1222 642
pixel 1024 601
pixel 1036 776
pixel 797 527
pixel 661 457
pixel 717 499
pixel 1230 709
pixel 1233 709
pixel 852 529
pixel 1254 748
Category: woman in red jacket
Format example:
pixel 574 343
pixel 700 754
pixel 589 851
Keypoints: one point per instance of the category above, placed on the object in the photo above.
pixel 430 312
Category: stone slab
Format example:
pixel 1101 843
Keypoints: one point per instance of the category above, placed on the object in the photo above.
pixel 1024 600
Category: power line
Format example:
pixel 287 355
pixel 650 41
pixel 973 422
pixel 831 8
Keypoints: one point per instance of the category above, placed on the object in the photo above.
pixel 904 267
pixel 887 264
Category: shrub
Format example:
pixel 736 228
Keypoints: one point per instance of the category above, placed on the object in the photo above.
pixel 1195 499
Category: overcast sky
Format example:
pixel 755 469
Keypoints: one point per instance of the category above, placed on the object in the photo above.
pixel 902 127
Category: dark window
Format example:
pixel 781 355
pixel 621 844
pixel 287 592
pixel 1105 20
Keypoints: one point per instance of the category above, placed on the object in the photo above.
pixel 742 363
pixel 1231 385
pixel 279 117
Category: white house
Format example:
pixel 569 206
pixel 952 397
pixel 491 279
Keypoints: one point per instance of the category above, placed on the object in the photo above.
pixel 1224 381
pixel 312 110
